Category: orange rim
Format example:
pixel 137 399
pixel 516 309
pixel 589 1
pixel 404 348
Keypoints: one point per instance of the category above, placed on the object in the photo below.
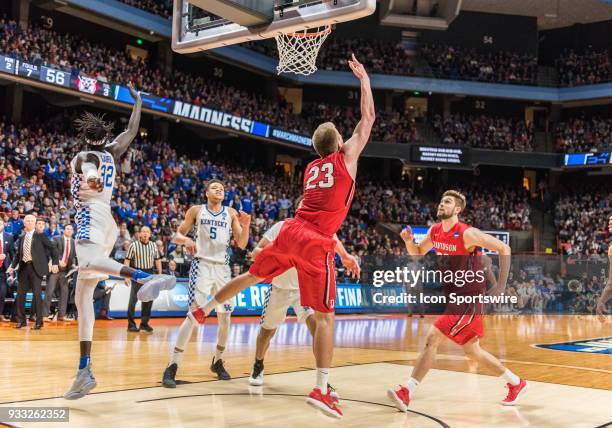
pixel 327 30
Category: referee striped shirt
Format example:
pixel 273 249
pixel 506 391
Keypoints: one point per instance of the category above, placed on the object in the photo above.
pixel 142 255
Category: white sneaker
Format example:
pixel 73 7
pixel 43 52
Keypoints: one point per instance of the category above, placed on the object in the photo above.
pixel 83 383
pixel 151 289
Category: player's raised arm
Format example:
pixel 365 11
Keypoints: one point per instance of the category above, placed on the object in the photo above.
pixel 123 140
pixel 473 237
pixel 241 223
pixel 181 237
pixel 414 249
pixel 354 146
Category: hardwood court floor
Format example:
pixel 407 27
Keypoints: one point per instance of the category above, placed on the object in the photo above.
pixel 373 353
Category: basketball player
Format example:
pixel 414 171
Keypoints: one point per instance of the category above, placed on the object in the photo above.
pixel 93 179
pixel 285 292
pixel 306 241
pixel 462 242
pixel 606 293
pixel 214 227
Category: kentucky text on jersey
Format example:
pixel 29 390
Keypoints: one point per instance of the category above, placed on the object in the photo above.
pixel 212 222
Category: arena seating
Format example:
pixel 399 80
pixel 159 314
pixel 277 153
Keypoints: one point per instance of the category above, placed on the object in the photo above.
pixel 162 8
pixel 586 68
pixel 581 216
pixel 584 134
pixel 485 132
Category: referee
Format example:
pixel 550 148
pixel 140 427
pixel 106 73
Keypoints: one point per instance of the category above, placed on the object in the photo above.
pixel 143 255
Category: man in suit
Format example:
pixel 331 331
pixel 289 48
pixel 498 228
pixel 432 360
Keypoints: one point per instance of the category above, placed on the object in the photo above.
pixel 67 261
pixel 171 270
pixel 34 250
pixel 6 256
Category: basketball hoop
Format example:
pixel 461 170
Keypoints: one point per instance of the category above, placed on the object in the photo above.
pixel 297 52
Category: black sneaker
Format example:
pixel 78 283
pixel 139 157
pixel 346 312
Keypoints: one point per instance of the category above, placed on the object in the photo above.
pixel 146 327
pixel 133 329
pixel 256 378
pixel 169 381
pixel 217 367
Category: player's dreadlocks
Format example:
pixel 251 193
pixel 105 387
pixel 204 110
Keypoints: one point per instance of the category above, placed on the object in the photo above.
pixel 93 129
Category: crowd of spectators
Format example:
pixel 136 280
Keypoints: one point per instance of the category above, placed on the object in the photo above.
pixel 44 46
pixel 587 68
pixel 581 134
pixel 393 58
pixel 378 56
pixel 162 8
pixel 581 217
pixel 591 66
pixel 485 132
pixel 78 55
pixel 453 62
pixel 390 127
pixel 538 292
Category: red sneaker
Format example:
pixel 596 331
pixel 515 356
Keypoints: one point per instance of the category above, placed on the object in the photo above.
pixel 197 316
pixel 400 398
pixel 326 403
pixel 514 393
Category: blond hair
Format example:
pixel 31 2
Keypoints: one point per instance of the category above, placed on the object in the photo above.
pixel 325 139
pixel 458 197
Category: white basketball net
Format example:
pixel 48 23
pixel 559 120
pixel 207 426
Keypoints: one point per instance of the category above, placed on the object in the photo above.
pixel 297 52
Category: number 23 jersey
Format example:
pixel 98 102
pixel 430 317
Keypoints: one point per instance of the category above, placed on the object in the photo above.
pixel 328 192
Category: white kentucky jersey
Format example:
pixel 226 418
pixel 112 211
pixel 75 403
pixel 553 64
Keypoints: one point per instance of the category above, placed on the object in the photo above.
pixel 289 279
pixel 93 217
pixel 213 234
pixel 81 192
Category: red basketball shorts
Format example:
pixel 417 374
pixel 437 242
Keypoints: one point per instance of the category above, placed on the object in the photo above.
pixel 311 254
pixel 460 328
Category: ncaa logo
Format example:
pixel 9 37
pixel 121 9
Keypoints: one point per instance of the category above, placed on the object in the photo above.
pixel 179 296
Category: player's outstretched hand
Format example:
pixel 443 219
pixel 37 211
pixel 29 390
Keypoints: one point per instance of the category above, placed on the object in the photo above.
pixel 406 234
pixel 95 183
pixel 135 94
pixel 190 246
pixel 600 310
pixel 357 68
pixel 352 266
pixel 244 219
